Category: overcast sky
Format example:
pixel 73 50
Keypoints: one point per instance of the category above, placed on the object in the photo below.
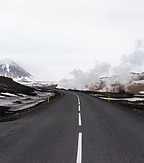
pixel 50 38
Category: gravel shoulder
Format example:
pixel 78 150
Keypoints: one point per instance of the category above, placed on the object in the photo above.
pixel 135 102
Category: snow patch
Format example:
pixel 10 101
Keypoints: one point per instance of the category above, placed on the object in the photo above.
pixel 126 99
pixel 5 102
pixel 141 92
pixel 25 106
pixel 8 94
pixel 16 102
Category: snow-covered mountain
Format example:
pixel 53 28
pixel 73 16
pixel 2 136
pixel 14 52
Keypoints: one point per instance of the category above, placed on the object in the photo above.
pixel 11 69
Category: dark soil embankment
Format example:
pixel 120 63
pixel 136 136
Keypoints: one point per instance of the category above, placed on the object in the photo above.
pixel 8 85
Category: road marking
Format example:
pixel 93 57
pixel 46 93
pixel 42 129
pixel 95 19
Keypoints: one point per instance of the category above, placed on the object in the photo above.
pixel 77 97
pixel 80 123
pixel 79 150
pixel 79 108
pixel 78 102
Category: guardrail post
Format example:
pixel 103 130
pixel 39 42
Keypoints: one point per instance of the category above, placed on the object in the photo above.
pixel 48 99
pixel 108 98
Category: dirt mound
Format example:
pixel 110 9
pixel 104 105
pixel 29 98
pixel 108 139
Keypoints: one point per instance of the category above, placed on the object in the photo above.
pixel 8 85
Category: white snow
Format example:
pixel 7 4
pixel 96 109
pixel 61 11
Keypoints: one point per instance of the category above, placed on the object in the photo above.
pixel 23 80
pixel 44 94
pixel 5 102
pixel 141 92
pixel 22 95
pixel 22 107
pixel 139 95
pixel 127 99
pixel 138 82
pixel 8 94
pixel 97 95
pixel 13 70
pixel 25 101
pixel 7 67
pixel 2 96
pixel 34 83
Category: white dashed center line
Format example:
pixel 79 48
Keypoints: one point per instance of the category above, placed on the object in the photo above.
pixel 80 123
pixel 79 151
pixel 79 108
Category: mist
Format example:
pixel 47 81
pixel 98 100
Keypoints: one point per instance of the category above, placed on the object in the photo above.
pixel 133 62
pixel 82 78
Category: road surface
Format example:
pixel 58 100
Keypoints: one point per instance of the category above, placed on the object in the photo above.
pixel 77 128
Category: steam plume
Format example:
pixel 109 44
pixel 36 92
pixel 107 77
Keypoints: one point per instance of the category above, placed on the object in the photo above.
pixel 132 62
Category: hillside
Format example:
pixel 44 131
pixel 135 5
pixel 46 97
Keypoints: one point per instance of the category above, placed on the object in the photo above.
pixel 10 86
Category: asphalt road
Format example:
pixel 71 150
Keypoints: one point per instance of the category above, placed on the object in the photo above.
pixel 77 128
